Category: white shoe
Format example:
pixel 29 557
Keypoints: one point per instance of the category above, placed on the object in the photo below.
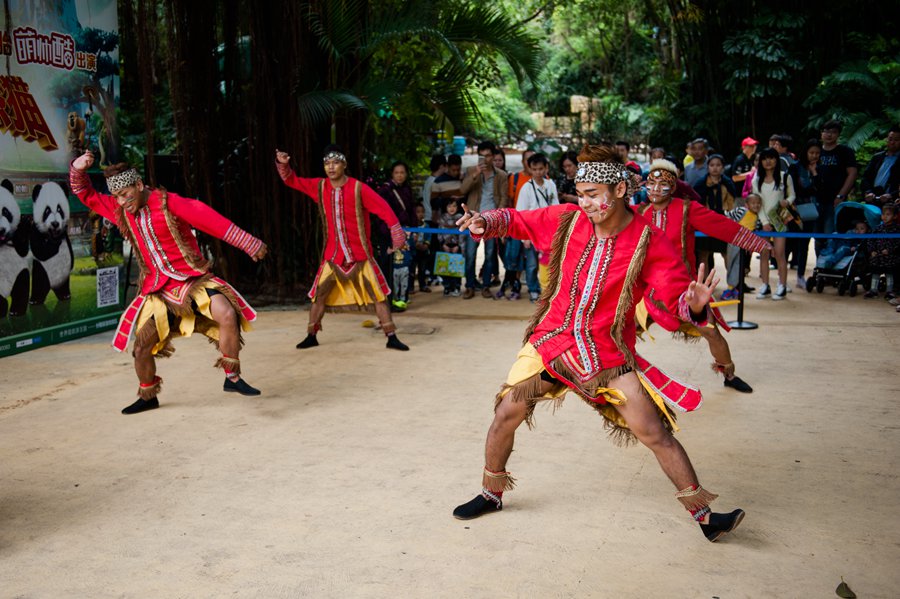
pixel 801 282
pixel 788 288
pixel 765 292
pixel 780 293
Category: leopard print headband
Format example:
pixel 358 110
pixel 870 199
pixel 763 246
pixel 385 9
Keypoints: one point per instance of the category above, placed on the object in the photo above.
pixel 607 173
pixel 122 180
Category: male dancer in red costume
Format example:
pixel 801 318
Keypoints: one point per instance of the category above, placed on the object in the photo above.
pixel 680 219
pixel 178 295
pixel 602 258
pixel 349 277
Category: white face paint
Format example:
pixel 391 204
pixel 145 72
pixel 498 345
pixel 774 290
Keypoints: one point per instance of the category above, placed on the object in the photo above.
pixel 597 200
pixel 659 191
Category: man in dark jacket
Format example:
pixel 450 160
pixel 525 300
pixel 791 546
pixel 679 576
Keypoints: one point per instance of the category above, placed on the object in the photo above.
pixel 881 180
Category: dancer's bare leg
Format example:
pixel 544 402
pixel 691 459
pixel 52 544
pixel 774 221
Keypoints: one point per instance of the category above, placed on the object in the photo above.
pixel 642 418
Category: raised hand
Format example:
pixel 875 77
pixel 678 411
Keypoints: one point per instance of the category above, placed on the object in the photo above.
pixel 472 221
pixel 699 292
pixel 84 161
pixel 260 253
pixel 282 157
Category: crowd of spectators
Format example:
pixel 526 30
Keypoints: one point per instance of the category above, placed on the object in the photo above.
pixel 770 189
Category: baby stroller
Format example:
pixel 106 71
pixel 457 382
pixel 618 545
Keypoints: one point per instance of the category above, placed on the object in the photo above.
pixel 838 265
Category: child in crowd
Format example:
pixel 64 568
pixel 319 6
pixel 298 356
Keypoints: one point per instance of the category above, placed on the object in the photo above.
pixel 403 260
pixel 423 258
pixel 449 242
pixel 884 254
pixel 839 249
pixel 539 192
pixel 748 217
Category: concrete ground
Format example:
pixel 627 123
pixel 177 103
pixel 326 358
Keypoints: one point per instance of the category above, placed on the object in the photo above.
pixel 339 481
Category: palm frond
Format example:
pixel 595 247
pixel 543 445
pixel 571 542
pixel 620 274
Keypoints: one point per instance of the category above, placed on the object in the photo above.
pixel 862 128
pixel 318 107
pixel 336 26
pixel 483 26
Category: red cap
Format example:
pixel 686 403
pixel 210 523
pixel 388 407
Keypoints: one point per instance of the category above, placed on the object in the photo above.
pixel 749 141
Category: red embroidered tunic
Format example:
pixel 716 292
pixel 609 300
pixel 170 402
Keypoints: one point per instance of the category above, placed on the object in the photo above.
pixel 345 217
pixel 161 232
pixel 168 252
pixel 589 321
pixel 682 218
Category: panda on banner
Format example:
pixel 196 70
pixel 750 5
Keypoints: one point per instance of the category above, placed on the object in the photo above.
pixel 50 245
pixel 14 277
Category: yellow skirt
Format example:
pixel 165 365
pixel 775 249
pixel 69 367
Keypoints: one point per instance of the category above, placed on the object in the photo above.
pixel 358 289
pixel 188 317
pixel 529 364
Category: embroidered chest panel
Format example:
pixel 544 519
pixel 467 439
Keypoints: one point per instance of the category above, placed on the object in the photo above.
pixel 588 284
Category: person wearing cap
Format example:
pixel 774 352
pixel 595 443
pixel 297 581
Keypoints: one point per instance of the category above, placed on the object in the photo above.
pixel 581 339
pixel 177 294
pixel 680 220
pixel 743 164
pixel 349 277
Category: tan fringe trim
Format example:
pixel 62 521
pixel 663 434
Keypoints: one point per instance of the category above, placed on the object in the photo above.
pixel 497 482
pixel 695 499
pixel 361 214
pixel 626 299
pixel 229 364
pixel 684 333
pixel 528 392
pixel 726 369
pixel 194 260
pixel 147 337
pixel 152 391
pixel 557 256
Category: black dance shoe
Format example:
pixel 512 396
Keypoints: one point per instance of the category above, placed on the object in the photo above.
pixel 240 386
pixel 738 384
pixel 719 524
pixel 394 343
pixel 310 341
pixel 141 405
pixel 477 507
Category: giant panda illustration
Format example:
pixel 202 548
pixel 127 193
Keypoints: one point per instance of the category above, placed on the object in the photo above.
pixel 50 245
pixel 14 277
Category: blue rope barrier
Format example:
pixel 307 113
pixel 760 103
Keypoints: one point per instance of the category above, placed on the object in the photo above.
pixel 699 234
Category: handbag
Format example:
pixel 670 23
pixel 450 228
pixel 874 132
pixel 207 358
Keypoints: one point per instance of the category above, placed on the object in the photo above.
pixel 447 264
pixel 808 211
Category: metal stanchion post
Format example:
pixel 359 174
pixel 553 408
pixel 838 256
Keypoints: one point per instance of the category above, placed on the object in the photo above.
pixel 740 323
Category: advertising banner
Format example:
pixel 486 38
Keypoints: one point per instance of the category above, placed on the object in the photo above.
pixel 61 267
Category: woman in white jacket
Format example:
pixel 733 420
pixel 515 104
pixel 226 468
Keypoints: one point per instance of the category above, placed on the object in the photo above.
pixel 776 188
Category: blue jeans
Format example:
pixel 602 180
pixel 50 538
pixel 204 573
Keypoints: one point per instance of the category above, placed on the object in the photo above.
pixel 470 249
pixel 531 270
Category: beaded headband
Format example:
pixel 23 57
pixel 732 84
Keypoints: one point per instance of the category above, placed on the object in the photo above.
pixel 334 156
pixel 122 180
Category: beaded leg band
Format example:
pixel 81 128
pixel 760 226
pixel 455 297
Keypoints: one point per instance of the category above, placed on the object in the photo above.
pixel 726 369
pixel 150 390
pixel 696 500
pixel 497 482
pixel 313 328
pixel 495 497
pixel 388 328
pixel 229 365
